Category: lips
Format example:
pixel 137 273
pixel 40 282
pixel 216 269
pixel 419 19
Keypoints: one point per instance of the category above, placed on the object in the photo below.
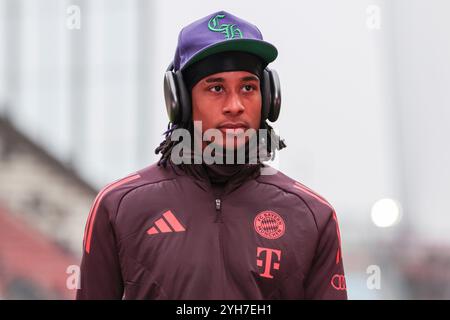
pixel 232 126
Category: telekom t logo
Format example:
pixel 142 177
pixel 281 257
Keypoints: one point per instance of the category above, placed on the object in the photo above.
pixel 268 261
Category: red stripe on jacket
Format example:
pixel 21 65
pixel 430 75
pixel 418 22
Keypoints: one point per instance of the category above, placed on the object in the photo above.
pixel 91 219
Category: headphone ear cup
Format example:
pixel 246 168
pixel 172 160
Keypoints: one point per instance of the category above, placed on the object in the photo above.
pixel 171 97
pixel 265 95
pixel 275 101
pixel 184 98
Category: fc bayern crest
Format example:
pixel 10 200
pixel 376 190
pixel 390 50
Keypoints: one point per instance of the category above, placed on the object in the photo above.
pixel 269 225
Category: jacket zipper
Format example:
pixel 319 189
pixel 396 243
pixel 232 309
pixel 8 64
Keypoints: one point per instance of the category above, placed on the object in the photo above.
pixel 219 219
pixel 218 202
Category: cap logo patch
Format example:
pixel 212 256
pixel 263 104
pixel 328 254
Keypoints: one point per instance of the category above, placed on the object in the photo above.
pixel 231 31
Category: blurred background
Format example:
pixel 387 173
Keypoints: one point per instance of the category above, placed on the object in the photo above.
pixel 365 115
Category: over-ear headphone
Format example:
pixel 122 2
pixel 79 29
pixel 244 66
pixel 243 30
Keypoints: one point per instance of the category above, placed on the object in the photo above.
pixel 178 99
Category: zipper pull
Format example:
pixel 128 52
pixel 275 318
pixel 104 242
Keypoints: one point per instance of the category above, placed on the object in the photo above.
pixel 219 211
pixel 218 204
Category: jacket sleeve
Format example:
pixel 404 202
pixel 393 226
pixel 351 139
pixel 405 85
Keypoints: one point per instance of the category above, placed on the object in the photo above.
pixel 100 273
pixel 326 279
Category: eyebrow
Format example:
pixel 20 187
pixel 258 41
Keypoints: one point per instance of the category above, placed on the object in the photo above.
pixel 247 78
pixel 250 78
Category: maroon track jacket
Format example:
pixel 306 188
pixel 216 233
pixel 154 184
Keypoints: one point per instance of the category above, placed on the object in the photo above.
pixel 211 232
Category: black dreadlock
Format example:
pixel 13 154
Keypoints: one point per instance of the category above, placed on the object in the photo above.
pixel 166 146
pixel 273 142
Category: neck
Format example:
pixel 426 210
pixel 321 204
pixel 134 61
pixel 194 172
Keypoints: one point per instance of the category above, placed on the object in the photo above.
pixel 246 154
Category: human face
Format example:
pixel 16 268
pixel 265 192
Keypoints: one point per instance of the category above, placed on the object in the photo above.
pixel 230 102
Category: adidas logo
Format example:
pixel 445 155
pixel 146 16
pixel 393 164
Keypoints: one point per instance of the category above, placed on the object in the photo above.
pixel 164 225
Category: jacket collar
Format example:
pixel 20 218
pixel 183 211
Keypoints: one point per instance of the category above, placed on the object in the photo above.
pixel 220 178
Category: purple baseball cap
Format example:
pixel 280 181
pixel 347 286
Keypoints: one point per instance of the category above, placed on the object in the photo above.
pixel 220 32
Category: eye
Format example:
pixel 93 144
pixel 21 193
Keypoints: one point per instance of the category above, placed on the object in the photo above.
pixel 216 89
pixel 248 88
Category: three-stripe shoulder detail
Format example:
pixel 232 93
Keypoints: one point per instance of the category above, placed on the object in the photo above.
pixel 321 199
pixel 93 212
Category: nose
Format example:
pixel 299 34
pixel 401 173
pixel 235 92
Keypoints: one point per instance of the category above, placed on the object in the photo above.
pixel 233 105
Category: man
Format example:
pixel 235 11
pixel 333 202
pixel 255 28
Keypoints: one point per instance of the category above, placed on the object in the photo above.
pixel 202 229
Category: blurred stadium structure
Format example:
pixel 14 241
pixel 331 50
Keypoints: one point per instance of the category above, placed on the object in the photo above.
pixel 366 108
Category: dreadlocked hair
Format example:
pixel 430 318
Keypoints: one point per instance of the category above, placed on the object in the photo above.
pixel 272 143
pixel 166 146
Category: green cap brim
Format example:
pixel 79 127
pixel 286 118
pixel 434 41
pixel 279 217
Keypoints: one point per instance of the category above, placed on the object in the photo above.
pixel 266 51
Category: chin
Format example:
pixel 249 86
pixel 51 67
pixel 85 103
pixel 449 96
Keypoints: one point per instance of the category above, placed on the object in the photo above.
pixel 234 144
pixel 231 146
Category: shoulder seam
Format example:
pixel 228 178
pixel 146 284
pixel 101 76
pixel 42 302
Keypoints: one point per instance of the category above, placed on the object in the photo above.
pixel 99 201
pixel 298 196
pixel 132 189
